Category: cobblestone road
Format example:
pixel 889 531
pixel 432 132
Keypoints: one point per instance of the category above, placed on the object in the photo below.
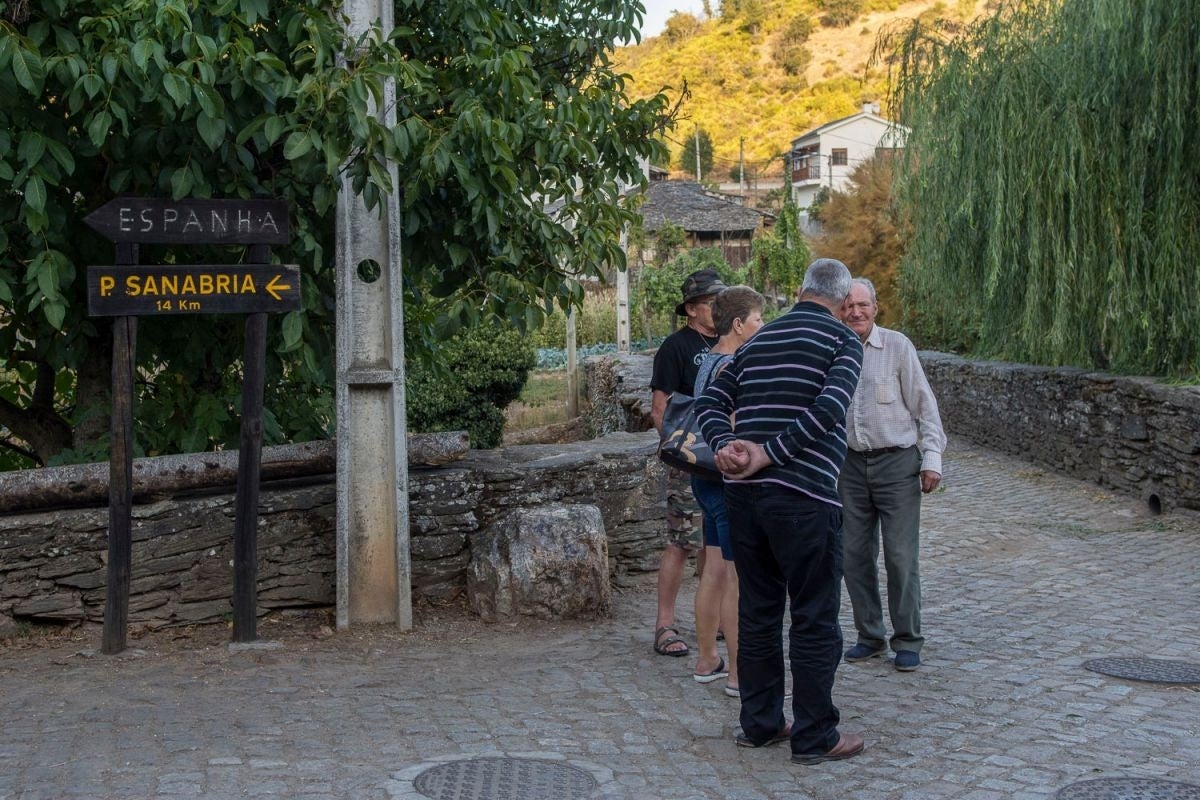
pixel 1026 576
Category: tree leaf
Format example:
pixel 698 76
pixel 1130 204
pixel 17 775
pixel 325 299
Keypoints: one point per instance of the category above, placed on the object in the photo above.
pixel 35 193
pixel 274 128
pixel 55 314
pixel 62 155
pixel 30 149
pixel 98 128
pixel 293 329
pixel 212 131
pixel 181 183
pixel 177 87
pixel 27 69
pixel 297 145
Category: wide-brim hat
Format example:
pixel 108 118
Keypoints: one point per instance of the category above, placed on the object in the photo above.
pixel 699 284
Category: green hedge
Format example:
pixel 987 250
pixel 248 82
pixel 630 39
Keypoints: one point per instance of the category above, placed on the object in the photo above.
pixel 484 370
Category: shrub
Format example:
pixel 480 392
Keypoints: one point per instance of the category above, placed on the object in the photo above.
pixel 485 369
pixel 839 13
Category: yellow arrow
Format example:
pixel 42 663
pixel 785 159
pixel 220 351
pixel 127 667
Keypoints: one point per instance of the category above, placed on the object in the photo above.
pixel 274 287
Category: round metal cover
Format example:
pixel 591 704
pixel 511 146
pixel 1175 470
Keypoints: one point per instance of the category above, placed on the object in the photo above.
pixel 1153 670
pixel 505 779
pixel 1129 789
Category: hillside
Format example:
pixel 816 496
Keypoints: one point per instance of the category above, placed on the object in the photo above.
pixel 740 87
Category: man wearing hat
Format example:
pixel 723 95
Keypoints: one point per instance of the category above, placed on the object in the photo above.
pixel 675 366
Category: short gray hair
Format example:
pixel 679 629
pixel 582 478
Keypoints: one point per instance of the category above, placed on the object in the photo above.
pixel 827 278
pixel 869 286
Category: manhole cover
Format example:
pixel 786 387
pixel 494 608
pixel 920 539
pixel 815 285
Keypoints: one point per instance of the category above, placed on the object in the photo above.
pixel 1154 670
pixel 505 779
pixel 1129 789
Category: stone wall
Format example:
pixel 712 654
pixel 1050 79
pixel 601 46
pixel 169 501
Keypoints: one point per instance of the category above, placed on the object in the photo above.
pixel 52 561
pixel 1135 435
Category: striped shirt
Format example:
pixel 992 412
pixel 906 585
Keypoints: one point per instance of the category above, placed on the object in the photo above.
pixel 790 387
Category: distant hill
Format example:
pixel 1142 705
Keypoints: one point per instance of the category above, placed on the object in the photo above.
pixel 769 70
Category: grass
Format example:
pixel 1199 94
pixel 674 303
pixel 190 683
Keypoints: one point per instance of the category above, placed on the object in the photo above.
pixel 543 401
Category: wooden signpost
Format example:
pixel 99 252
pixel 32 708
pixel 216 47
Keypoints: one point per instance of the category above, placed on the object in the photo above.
pixel 127 290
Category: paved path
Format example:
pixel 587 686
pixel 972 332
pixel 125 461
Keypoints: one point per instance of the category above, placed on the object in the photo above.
pixel 1027 575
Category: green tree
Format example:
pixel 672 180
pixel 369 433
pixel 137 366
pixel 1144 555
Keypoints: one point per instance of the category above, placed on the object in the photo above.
pixel 680 27
pixel 779 256
pixel 688 154
pixel 658 290
pixel 859 227
pixel 1050 184
pixel 753 15
pixel 499 102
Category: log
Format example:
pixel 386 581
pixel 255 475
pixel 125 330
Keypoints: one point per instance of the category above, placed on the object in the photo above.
pixel 166 476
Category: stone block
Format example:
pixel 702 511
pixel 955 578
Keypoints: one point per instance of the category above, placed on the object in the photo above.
pixel 549 562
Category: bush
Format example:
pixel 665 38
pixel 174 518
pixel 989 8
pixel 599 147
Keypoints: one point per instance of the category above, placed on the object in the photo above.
pixel 839 13
pixel 484 370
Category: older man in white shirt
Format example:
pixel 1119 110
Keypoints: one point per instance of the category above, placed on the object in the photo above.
pixel 895 443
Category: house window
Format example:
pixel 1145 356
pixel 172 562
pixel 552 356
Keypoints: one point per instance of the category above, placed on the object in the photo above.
pixel 839 158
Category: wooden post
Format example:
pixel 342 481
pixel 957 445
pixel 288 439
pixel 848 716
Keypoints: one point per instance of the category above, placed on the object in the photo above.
pixel 120 480
pixel 245 531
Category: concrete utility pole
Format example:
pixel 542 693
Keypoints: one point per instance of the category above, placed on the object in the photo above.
pixel 699 177
pixel 374 582
pixel 742 168
pixel 623 325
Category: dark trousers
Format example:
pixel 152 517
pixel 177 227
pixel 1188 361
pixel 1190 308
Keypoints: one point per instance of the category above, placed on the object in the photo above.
pixel 787 546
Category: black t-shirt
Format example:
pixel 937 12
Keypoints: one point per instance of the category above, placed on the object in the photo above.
pixel 678 359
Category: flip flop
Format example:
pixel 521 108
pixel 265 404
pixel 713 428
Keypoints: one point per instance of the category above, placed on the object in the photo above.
pixel 661 644
pixel 709 677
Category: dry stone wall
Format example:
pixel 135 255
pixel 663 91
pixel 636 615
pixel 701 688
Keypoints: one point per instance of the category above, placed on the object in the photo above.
pixel 52 562
pixel 1134 435
pixel 1138 436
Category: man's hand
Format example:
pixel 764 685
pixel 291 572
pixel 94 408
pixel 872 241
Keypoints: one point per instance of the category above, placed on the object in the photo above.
pixel 929 480
pixel 741 458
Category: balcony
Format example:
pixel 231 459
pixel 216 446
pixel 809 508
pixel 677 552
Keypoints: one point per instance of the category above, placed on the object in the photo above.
pixel 807 173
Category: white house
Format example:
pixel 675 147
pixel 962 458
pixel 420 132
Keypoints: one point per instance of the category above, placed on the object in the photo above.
pixel 824 157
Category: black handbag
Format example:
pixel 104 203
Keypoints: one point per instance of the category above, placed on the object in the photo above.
pixel 682 446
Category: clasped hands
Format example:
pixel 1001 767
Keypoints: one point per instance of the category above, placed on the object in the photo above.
pixel 741 458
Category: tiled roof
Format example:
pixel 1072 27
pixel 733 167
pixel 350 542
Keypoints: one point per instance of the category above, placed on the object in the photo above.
pixel 686 204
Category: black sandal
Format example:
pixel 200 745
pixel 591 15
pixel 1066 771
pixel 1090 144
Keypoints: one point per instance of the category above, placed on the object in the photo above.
pixel 661 644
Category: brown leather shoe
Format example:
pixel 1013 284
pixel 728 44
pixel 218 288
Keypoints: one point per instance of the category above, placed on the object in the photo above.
pixel 848 746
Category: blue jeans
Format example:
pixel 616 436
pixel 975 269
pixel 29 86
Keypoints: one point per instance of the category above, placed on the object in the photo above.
pixel 711 497
pixel 787 546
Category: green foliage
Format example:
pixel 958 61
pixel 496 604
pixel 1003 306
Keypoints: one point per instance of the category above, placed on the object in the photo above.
pixel 680 27
pixel 788 50
pixel 751 85
pixel 698 146
pixel 779 256
pixel 481 371
pixel 839 13
pixel 752 16
pixel 1050 184
pixel 595 321
pixel 500 101
pixel 859 227
pixel 657 290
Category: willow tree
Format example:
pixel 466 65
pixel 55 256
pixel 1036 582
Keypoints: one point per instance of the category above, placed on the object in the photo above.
pixel 1050 184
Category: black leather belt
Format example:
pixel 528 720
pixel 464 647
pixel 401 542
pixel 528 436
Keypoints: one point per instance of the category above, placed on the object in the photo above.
pixel 882 451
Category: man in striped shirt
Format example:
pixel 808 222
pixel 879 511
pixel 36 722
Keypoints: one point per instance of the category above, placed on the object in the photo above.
pixel 788 389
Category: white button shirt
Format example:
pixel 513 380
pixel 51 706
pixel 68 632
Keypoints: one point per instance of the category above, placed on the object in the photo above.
pixel 893 405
